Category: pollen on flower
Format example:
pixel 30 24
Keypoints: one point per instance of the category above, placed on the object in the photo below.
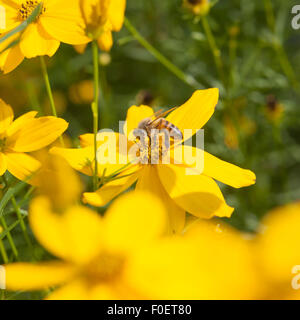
pixel 28 7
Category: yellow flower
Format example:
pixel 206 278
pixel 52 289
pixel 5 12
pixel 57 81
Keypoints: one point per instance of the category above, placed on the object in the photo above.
pixel 225 266
pixel 101 17
pixel 51 181
pixel 25 134
pixel 278 254
pixel 59 20
pixel 121 256
pixel 198 7
pixel 197 193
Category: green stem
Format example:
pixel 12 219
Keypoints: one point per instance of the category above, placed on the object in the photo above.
pixel 278 47
pixel 49 90
pixel 22 223
pixel 9 237
pixel 214 48
pixel 270 14
pixel 188 79
pixel 19 215
pixel 3 252
pixel 95 108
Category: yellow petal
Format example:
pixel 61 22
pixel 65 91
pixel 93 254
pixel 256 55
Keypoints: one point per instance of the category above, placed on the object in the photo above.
pixel 37 134
pixel 105 41
pixel 27 277
pixel 195 112
pixel 168 270
pixel 75 236
pixel 213 167
pixel 20 122
pixel 149 181
pixel 84 229
pixel 10 58
pixel 197 194
pixel 75 290
pixel 116 13
pixel 86 140
pixel 64 22
pixel 80 48
pixel 134 220
pixel 226 172
pixel 21 165
pixel 225 261
pixel 278 244
pixel 134 116
pixel 111 189
pixel 51 180
pixel 6 116
pixel 3 164
pixel 36 42
pixel 12 18
pixel 80 159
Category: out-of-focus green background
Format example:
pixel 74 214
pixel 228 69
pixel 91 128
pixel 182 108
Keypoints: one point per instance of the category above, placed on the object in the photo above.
pixel 257 121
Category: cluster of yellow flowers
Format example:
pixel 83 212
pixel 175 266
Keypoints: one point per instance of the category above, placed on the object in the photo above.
pixel 75 22
pixel 144 247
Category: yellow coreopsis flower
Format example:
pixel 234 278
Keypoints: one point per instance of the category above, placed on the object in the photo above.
pixel 197 193
pixel 198 7
pixel 115 257
pixel 101 18
pixel 22 135
pixel 278 254
pixel 58 21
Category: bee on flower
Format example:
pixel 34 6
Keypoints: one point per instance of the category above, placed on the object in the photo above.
pixel 195 193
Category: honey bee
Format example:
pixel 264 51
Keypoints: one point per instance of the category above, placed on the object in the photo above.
pixel 160 123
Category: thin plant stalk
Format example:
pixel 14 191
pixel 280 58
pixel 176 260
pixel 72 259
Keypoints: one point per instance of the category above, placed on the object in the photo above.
pixel 95 108
pixel 9 237
pixel 3 252
pixel 188 79
pixel 49 90
pixel 214 48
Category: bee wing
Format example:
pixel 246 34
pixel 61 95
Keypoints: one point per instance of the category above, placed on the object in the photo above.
pixel 161 114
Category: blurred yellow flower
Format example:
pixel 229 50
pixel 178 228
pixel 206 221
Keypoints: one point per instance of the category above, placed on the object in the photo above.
pixel 82 92
pixel 226 268
pixel 273 110
pixel 22 135
pixel 121 256
pixel 57 180
pixel 198 7
pixel 58 21
pixel 277 252
pixel 101 18
pixel 197 193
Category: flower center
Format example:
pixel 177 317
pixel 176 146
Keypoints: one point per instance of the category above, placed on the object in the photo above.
pixel 107 267
pixel 28 7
